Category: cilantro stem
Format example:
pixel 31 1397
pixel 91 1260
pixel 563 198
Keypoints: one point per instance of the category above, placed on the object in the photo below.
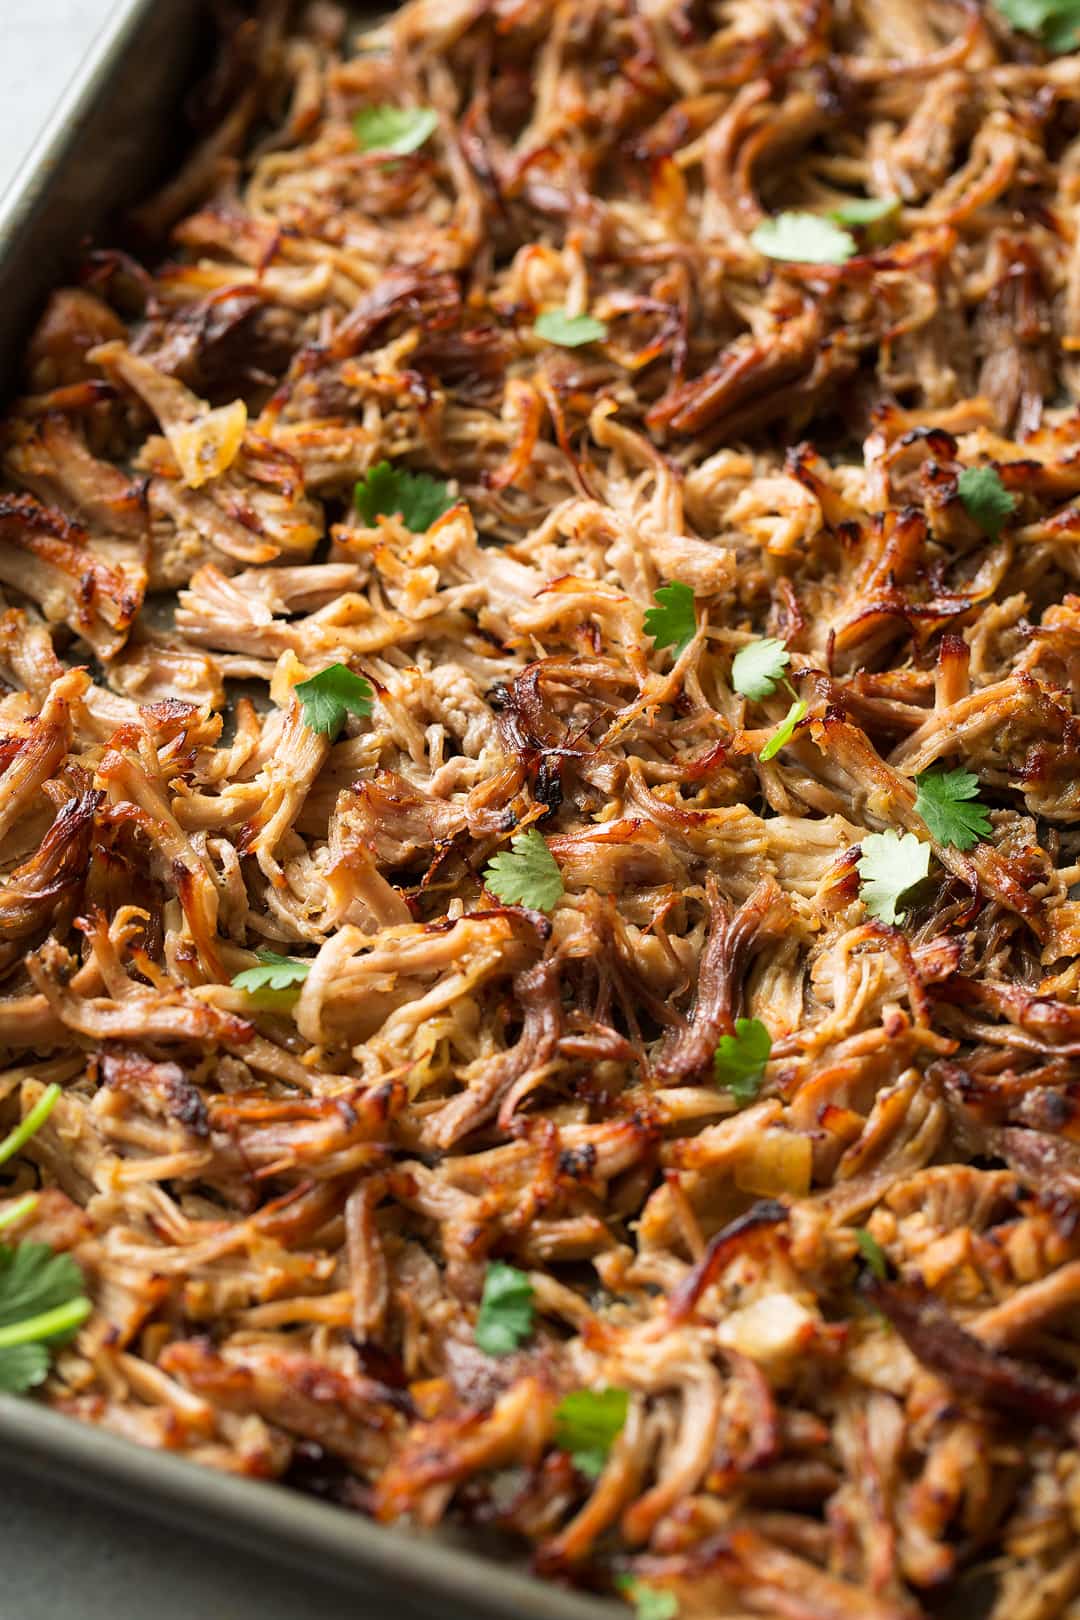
pixel 46 1325
pixel 785 682
pixel 34 1120
pixel 16 1211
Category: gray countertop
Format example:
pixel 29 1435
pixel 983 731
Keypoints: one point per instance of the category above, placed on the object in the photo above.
pixel 41 44
pixel 63 1554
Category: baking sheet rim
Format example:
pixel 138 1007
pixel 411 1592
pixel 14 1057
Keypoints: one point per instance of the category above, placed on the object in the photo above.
pixel 269 1518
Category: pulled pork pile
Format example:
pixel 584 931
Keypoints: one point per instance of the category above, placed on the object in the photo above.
pixel 842 1315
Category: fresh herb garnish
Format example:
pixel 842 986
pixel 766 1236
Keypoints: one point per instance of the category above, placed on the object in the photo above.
pixel 985 498
pixel 1055 22
pixel 416 498
pixel 803 239
pixel 756 670
pixel 42 1304
pixel 41 1293
pixel 740 1059
pixel 506 1309
pixel 672 622
pixel 759 666
pixel 526 874
pixel 650 1602
pixel 872 1253
pixel 394 129
pixel 785 730
pixel 569 331
pixel 948 802
pixel 864 210
pixel 875 217
pixel 35 1119
pixel 587 1424
pixel 273 973
pixel 332 694
pixel 891 863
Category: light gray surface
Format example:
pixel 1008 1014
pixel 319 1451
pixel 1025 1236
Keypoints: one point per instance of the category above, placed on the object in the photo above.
pixel 66 1558
pixel 41 45
pixel 64 1555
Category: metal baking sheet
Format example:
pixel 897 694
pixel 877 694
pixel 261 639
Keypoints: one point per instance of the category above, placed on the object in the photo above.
pixel 113 134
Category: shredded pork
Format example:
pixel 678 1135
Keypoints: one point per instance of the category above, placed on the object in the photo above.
pixel 284 1204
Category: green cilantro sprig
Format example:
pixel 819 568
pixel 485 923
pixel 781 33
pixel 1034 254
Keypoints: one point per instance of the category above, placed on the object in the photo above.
pixel 399 130
pixel 786 729
pixel 802 238
pixel 650 1602
pixel 875 217
pixel 273 973
pixel 949 804
pixel 417 498
pixel 506 1309
pixel 890 864
pixel 865 210
pixel 756 671
pixel 1055 22
pixel 42 1303
pixel 985 498
pixel 17 1139
pixel 759 667
pixel 672 622
pixel 569 331
pixel 587 1424
pixel 526 874
pixel 872 1253
pixel 740 1059
pixel 805 238
pixel 332 694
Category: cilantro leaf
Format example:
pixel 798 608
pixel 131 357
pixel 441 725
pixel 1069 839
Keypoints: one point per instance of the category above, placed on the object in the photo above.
pixel 650 1602
pixel 415 497
pixel 944 801
pixel 331 694
pixel 526 874
pixel 41 1303
pixel 891 863
pixel 785 730
pixel 41 1293
pixel 864 210
pixel 569 331
pixel 1055 22
pixel 872 1253
pixel 17 1139
pixel 274 973
pixel 803 239
pixel 740 1059
pixel 672 622
pixel 985 498
pixel 34 1282
pixel 757 667
pixel 875 217
pixel 22 1367
pixel 587 1424
pixel 394 129
pixel 506 1309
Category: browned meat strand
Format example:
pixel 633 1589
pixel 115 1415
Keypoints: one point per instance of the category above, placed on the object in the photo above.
pixel 841 1301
